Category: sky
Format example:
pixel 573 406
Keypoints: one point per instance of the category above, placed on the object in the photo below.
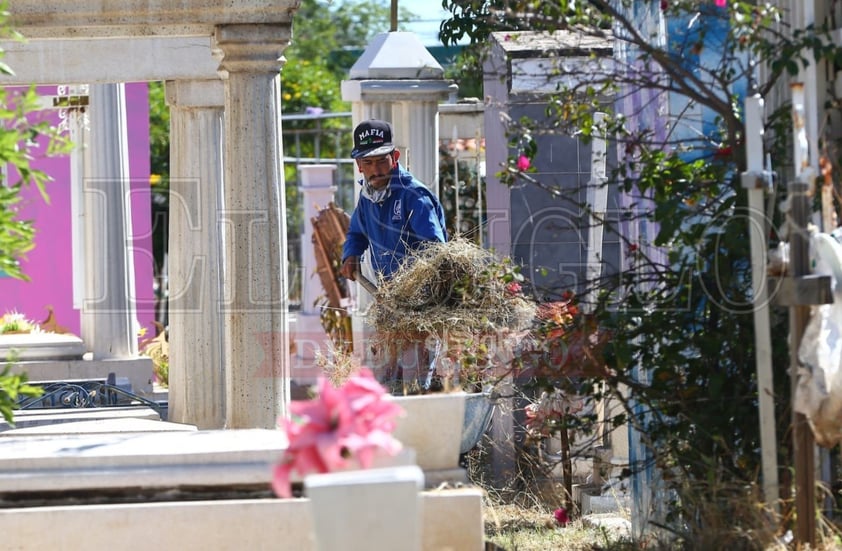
pixel 429 16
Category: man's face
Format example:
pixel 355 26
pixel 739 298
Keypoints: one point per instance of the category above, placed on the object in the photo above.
pixel 377 170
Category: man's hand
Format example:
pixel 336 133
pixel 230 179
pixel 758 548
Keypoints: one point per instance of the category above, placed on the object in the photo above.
pixel 350 267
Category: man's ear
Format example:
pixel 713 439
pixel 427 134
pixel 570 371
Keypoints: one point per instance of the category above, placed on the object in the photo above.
pixel 396 154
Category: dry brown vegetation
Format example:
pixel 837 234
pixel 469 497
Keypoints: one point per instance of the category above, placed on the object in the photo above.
pixel 452 287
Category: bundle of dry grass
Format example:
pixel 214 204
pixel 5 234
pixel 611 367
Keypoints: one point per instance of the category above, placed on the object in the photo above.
pixel 453 287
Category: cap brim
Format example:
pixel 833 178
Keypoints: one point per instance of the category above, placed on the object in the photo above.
pixel 382 150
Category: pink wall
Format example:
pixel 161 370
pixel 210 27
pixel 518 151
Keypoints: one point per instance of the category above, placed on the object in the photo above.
pixel 49 264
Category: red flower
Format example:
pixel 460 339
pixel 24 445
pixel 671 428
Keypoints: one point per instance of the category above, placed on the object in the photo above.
pixel 725 151
pixel 513 288
pixel 561 517
pixel 556 333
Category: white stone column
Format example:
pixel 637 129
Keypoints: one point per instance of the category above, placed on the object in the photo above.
pixel 362 111
pixel 412 108
pixel 254 229
pixel 197 374
pixel 317 191
pixel 416 123
pixel 398 80
pixel 109 325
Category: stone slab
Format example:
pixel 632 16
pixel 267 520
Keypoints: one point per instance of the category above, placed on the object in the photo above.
pixel 138 371
pixel 103 19
pixel 40 346
pixel 30 418
pixel 371 509
pixel 217 458
pixel 432 424
pixel 101 60
pixel 611 523
pixel 592 504
pixel 151 460
pixel 580 490
pixel 451 520
pixel 101 426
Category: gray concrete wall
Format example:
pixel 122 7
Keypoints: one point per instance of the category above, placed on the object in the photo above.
pixel 549 233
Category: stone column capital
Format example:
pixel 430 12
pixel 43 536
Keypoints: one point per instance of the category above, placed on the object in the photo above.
pixel 421 90
pixel 190 94
pixel 252 48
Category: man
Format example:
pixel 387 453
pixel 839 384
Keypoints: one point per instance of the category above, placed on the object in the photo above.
pixel 394 215
pixel 395 212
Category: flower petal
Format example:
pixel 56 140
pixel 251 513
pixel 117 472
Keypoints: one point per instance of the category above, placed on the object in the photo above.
pixel 280 480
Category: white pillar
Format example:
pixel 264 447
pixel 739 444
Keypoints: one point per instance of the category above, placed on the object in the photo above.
pixel 417 126
pixel 197 374
pixel 398 80
pixel 374 509
pixel 109 326
pixel 497 195
pixel 362 111
pixel 77 122
pixel 254 228
pixel 412 108
pixel 317 191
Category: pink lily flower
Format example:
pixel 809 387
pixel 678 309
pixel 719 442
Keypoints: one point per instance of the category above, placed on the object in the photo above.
pixel 354 421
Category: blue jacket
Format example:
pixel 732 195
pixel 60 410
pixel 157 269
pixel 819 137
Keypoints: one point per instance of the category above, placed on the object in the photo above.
pixel 408 216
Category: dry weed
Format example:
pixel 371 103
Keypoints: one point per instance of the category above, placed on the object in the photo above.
pixel 452 287
pixel 337 365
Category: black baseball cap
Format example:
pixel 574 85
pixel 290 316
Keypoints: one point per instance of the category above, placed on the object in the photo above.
pixel 372 138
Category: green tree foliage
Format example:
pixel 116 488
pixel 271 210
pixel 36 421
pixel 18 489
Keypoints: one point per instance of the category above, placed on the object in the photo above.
pixel 14 386
pixel 309 86
pixel 159 151
pixel 322 30
pixel 325 36
pixel 23 136
pixel 681 351
pixel 476 20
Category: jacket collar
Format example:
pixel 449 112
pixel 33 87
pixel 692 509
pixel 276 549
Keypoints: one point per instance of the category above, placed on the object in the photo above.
pixel 379 195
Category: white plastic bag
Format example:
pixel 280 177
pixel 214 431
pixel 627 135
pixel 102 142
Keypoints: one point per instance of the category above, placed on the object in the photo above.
pixel 818 394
